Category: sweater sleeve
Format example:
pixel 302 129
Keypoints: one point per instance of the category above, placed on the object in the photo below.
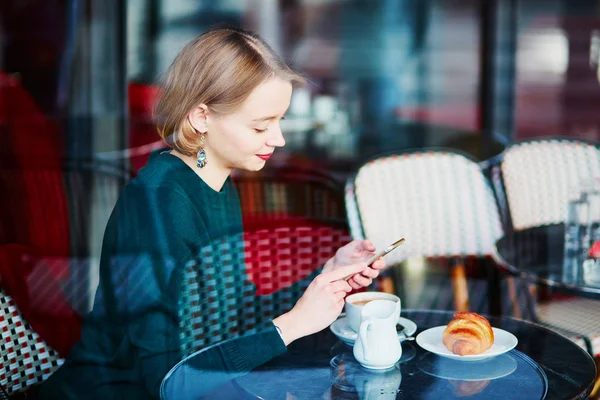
pixel 159 240
pixel 204 371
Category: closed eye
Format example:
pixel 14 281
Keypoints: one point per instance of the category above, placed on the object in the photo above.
pixel 260 130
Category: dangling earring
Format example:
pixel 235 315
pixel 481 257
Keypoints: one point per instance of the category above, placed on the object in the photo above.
pixel 201 156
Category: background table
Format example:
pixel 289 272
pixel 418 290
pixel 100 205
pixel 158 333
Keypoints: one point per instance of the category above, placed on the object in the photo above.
pixel 544 365
pixel 537 255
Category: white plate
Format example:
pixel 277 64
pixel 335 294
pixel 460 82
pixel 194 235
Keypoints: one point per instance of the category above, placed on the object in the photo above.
pixel 492 368
pixel 341 329
pixel 431 340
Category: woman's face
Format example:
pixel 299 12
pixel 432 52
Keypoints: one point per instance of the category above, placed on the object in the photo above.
pixel 247 138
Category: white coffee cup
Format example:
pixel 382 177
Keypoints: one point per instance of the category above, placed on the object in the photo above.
pixel 356 302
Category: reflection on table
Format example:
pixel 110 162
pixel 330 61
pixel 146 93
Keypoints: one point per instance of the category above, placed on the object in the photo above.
pixel 544 365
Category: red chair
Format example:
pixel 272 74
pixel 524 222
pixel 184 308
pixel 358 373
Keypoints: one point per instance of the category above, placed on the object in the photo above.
pixel 30 142
pixel 34 210
pixel 294 221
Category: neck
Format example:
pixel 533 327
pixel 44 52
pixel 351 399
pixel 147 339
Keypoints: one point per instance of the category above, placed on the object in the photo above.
pixel 212 174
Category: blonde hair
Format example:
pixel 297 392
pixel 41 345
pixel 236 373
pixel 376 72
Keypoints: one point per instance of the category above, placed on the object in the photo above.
pixel 219 68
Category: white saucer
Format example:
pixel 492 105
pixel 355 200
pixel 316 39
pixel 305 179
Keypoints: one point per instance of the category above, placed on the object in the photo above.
pixel 341 329
pixel 431 340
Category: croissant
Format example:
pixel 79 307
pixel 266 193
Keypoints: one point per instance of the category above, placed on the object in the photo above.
pixel 468 333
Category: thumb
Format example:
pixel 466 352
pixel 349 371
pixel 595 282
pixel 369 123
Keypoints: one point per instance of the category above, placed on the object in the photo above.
pixel 343 272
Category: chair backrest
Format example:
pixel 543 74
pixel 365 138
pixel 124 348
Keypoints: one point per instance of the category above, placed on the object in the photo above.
pixel 26 359
pixel 352 213
pixel 289 191
pixel 439 201
pixel 281 253
pixel 538 175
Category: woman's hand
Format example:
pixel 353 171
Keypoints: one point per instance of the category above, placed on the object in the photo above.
pixel 319 306
pixel 353 252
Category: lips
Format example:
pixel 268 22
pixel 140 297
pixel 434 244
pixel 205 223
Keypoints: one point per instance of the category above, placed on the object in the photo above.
pixel 264 157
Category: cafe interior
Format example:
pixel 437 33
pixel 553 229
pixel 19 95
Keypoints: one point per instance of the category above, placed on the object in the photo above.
pixel 470 128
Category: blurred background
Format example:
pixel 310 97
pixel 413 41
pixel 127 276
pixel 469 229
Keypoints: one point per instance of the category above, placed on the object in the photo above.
pixel 384 75
pixel 78 80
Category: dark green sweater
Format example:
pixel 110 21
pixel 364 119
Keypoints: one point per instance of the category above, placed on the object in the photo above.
pixel 172 281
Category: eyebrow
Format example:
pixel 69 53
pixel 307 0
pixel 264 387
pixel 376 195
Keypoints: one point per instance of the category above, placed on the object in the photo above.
pixel 266 118
pixel 263 119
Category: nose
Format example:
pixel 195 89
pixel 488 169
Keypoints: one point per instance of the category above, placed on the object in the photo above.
pixel 275 138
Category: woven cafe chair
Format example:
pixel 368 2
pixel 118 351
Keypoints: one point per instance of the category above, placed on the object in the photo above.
pixel 281 253
pixel 537 176
pixel 46 209
pixel 26 359
pixel 38 209
pixel 293 222
pixel 439 201
pixel 534 180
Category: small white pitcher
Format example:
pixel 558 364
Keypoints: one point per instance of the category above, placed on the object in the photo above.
pixel 377 345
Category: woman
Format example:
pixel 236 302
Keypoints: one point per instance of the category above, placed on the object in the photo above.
pixel 172 277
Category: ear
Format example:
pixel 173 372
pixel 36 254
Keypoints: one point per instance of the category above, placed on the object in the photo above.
pixel 197 118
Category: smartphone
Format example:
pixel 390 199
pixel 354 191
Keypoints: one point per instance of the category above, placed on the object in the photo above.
pixel 381 254
pixel 385 251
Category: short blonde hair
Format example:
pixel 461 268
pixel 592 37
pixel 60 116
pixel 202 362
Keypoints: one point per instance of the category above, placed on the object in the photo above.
pixel 219 68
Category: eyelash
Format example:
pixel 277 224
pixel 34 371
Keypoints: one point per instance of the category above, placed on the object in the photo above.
pixel 263 130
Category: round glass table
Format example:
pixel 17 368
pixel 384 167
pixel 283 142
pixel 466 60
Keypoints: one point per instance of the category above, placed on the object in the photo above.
pixel 544 365
pixel 537 255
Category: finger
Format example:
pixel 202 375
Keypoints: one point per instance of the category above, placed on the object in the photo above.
pixel 363 281
pixel 353 284
pixel 340 286
pixel 339 296
pixel 370 273
pixel 378 264
pixel 342 272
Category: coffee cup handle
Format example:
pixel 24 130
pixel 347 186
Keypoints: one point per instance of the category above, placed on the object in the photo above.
pixel 364 326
